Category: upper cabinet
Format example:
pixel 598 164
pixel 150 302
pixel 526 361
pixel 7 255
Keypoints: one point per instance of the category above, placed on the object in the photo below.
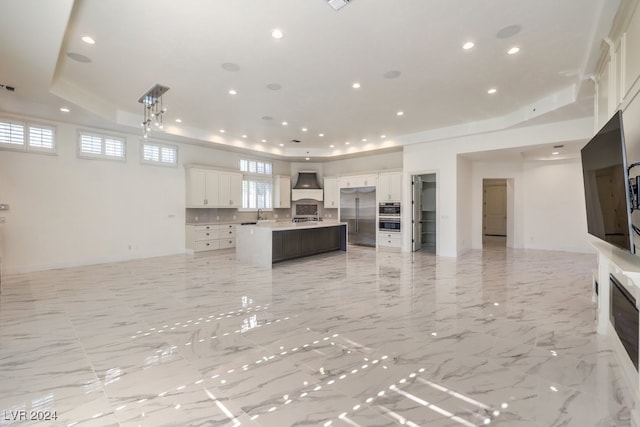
pixel 229 190
pixel 209 188
pixel 331 193
pixel 389 187
pixel 282 192
pixel 358 181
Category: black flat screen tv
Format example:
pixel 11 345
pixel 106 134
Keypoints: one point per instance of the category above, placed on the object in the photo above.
pixel 606 185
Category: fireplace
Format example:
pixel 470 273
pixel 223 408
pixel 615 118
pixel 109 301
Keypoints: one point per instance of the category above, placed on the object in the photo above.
pixel 624 318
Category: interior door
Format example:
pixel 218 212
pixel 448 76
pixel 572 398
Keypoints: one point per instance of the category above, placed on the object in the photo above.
pixel 495 209
pixel 416 216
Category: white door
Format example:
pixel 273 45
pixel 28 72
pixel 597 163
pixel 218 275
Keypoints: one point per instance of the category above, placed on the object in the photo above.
pixel 495 208
pixel 416 216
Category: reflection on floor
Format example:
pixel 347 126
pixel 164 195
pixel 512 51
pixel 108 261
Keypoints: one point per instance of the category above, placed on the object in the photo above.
pixel 496 337
pixel 494 241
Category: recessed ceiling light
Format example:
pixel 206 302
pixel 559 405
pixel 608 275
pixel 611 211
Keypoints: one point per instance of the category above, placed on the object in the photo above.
pixel 263 140
pixel 306 158
pixel 284 123
pixel 555 153
pixel 492 91
pixel 400 113
pixel 364 139
pixel 232 92
pixel 383 136
pixel 64 109
pixel 222 130
pixel 356 85
pixel 321 135
pixel 281 145
pixel 88 40
pixel 274 86
pixel 178 120
pixel 244 136
pixel 468 45
pixel 277 34
pixel 513 50
pixel 347 143
pixel 331 146
pixel 304 129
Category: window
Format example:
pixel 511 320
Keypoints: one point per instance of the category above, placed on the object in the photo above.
pixel 26 136
pixel 255 166
pixel 160 154
pixel 256 194
pixel 256 185
pixel 94 145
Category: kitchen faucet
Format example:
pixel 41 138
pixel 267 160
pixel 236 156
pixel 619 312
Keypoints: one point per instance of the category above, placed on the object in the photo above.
pixel 260 214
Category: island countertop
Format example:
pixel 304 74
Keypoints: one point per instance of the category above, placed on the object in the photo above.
pixel 268 242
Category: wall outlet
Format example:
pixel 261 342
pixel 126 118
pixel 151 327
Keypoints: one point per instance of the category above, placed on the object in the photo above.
pixel 234 217
pixel 196 219
pixel 275 215
pixel 218 218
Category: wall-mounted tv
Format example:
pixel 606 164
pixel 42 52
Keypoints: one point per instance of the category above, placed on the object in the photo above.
pixel 606 185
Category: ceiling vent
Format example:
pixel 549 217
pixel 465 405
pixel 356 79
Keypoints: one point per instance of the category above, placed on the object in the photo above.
pixel 8 88
pixel 338 4
pixel 296 141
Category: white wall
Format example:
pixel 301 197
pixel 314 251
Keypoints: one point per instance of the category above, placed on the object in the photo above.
pixel 554 206
pixel 441 156
pixel 464 205
pixel 67 211
pixel 363 164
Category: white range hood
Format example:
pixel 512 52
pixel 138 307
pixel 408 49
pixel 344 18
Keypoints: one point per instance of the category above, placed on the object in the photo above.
pixel 307 187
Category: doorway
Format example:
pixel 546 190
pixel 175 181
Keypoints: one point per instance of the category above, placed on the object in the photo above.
pixel 424 234
pixel 494 212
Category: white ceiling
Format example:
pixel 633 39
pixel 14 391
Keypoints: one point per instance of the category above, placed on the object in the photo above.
pixel 183 45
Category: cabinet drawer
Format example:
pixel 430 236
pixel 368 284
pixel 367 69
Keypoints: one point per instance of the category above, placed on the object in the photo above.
pixel 206 235
pixel 227 243
pixel 227 226
pixel 205 227
pixel 207 245
pixel 225 233
pixel 393 240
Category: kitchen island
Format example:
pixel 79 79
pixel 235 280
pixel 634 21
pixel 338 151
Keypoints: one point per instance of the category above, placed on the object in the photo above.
pixel 264 244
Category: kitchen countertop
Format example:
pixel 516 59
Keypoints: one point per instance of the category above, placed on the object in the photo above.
pixel 282 226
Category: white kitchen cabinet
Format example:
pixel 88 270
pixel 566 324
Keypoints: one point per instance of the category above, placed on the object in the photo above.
pixel 358 181
pixel 230 190
pixel 389 187
pixel 210 237
pixel 202 188
pixel 331 193
pixel 389 240
pixel 282 192
pixel 210 188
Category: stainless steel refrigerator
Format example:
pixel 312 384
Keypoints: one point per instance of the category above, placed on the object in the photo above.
pixel 358 210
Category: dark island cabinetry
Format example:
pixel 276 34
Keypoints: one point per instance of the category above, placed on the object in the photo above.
pixel 289 244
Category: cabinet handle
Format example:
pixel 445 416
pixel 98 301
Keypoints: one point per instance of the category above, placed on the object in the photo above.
pixel 208 227
pixel 231 202
pixel 208 234
pixel 231 232
pixel 230 241
pixel 207 244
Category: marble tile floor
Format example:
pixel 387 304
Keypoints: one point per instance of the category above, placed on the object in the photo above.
pixel 497 337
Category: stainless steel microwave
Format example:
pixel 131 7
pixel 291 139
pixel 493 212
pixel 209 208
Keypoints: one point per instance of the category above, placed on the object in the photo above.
pixel 389 224
pixel 389 209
